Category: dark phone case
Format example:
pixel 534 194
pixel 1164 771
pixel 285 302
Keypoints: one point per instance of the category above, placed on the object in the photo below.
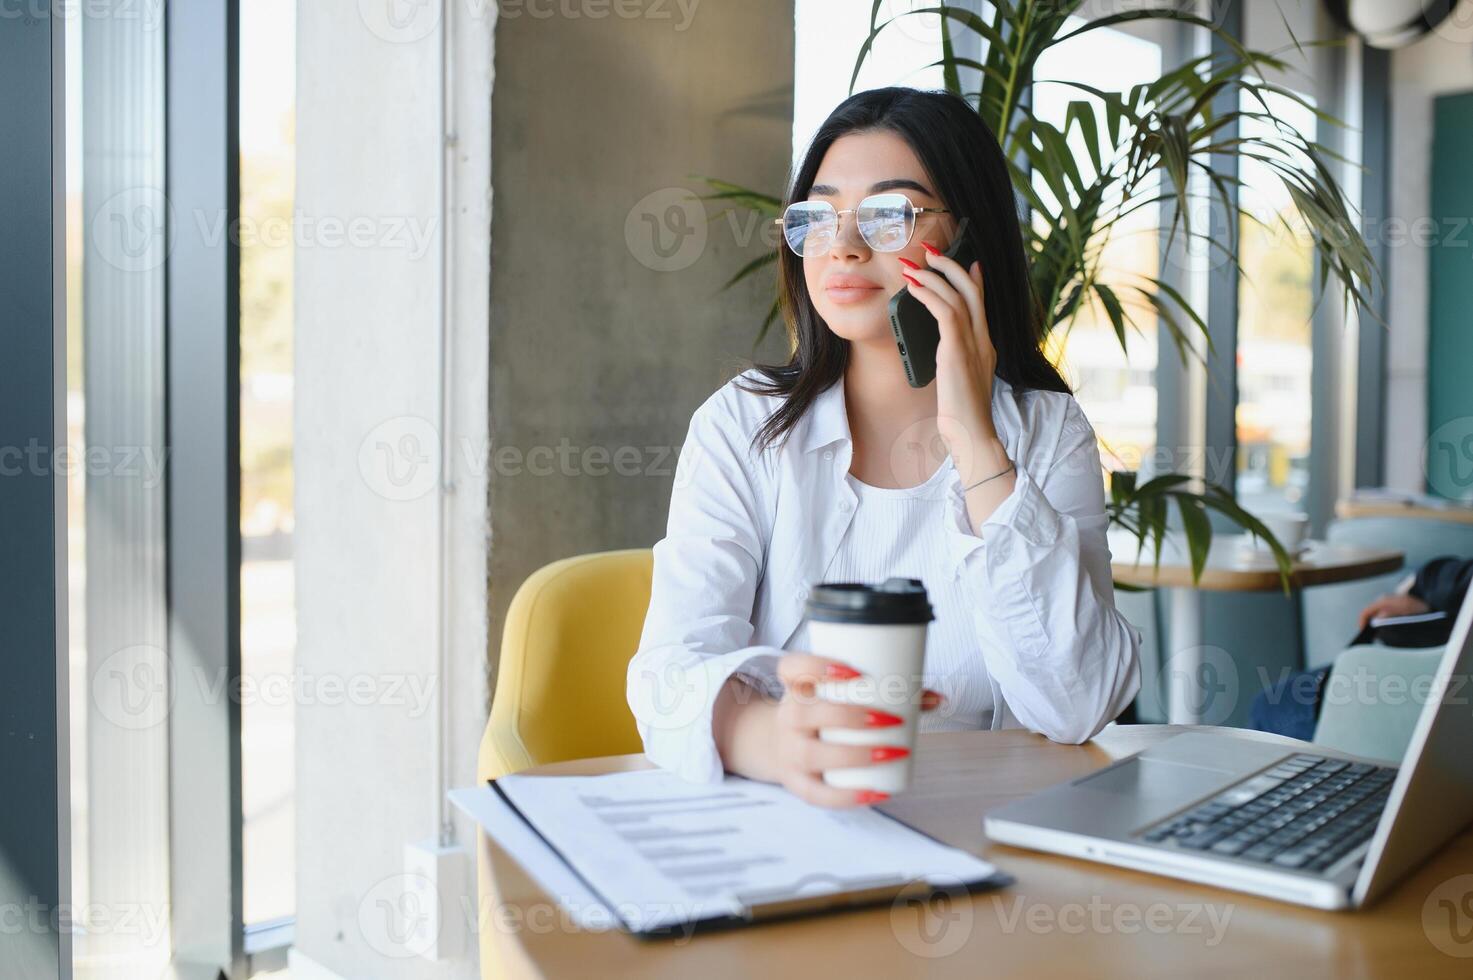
pixel 915 329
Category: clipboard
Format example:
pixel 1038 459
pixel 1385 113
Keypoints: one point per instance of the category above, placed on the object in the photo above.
pixel 773 905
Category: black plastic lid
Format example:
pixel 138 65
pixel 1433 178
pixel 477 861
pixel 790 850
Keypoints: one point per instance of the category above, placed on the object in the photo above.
pixel 896 600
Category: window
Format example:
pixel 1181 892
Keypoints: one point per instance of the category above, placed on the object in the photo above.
pixel 827 40
pixel 1116 387
pixel 1275 352
pixel 268 620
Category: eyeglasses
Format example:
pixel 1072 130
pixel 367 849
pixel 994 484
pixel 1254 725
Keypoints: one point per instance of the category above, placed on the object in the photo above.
pixel 886 223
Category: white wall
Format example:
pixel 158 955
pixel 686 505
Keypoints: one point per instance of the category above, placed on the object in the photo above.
pixel 1438 63
pixel 367 387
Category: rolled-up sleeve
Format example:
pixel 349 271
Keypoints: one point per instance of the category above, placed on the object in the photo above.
pixel 1066 661
pixel 706 571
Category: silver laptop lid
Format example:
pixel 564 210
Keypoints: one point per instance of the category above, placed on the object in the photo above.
pixel 1432 797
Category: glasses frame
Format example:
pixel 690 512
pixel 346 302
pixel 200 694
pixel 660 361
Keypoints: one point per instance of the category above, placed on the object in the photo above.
pixel 839 220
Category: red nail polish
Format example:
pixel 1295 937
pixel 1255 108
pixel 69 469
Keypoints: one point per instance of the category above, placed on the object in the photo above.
pixel 840 672
pixel 870 796
pixel 885 753
pixel 931 248
pixel 907 262
pixel 909 279
pixel 882 719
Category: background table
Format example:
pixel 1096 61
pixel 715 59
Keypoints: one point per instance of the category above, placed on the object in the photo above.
pixel 1351 507
pixel 1230 567
pixel 1062 918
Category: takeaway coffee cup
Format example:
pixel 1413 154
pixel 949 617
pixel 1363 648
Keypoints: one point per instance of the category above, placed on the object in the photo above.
pixel 879 631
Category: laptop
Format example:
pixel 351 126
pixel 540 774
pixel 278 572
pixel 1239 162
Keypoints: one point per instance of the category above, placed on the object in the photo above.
pixel 1299 824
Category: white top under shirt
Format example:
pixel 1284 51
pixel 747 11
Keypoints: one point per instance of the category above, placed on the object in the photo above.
pixel 902 532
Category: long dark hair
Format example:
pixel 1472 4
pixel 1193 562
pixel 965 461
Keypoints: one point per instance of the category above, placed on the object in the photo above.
pixel 968 172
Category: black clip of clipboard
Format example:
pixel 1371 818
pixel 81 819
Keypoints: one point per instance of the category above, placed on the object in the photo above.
pixel 771 905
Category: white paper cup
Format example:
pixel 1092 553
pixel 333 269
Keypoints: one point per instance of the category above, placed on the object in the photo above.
pixel 880 632
pixel 1290 528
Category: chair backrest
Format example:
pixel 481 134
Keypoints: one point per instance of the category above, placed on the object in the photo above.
pixel 1330 610
pixel 1373 700
pixel 571 630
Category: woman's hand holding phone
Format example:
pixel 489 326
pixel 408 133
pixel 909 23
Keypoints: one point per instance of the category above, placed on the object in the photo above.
pixel 966 361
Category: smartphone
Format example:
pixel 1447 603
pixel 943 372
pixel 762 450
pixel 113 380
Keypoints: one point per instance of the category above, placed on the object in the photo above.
pixel 915 329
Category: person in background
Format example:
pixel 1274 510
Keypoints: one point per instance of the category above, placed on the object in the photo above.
pixel 1292 707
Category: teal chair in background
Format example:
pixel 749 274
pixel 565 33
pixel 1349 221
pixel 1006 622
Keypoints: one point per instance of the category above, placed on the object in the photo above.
pixel 1373 699
pixel 1330 611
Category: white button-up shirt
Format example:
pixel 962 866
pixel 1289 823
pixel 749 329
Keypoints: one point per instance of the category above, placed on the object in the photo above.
pixel 751 531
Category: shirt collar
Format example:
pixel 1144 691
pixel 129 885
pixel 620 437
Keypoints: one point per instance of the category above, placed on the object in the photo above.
pixel 827 421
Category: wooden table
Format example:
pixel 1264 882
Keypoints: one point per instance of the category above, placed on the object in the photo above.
pixel 1230 567
pixel 1062 917
pixel 1454 513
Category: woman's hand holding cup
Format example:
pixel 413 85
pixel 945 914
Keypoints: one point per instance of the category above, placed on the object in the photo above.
pixel 802 756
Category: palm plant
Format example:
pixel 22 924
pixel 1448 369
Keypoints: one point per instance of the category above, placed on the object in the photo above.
pixel 1174 127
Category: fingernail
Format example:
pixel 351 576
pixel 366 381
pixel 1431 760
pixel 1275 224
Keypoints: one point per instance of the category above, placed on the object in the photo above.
pixel 909 279
pixel 885 753
pixel 931 248
pixel 870 796
pixel 881 719
pixel 907 262
pixel 840 672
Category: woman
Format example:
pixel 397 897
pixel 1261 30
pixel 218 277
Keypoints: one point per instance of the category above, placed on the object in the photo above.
pixel 985 484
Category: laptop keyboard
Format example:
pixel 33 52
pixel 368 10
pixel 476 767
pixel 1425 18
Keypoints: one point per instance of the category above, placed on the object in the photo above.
pixel 1305 813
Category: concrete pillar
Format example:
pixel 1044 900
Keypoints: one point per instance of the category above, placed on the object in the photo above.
pixel 607 327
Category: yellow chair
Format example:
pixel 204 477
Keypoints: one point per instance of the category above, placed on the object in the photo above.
pixel 570 633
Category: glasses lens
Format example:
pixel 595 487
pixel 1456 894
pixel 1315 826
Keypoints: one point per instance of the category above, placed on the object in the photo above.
pixel 886 221
pixel 809 226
